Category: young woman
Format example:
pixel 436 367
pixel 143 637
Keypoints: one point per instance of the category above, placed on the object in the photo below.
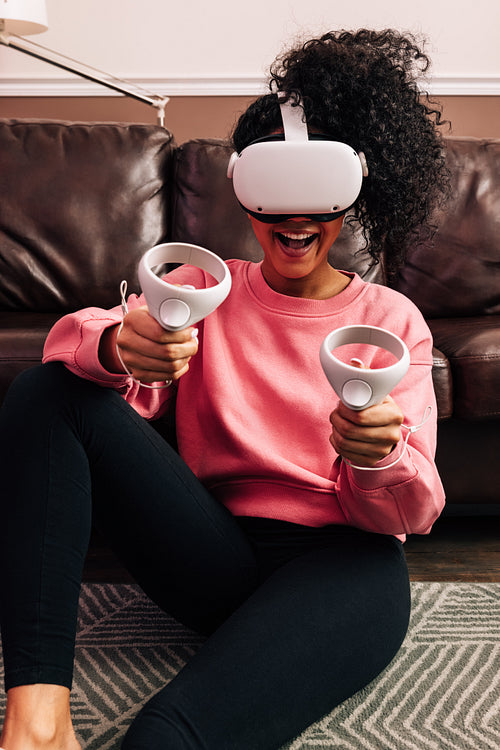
pixel 276 530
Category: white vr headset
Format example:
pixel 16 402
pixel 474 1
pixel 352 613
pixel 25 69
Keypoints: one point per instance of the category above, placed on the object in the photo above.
pixel 177 307
pixel 359 388
pixel 297 174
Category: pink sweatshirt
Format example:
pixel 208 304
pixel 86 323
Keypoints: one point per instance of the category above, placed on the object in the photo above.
pixel 252 413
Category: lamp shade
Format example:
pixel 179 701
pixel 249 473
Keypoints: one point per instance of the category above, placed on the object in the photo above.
pixel 23 16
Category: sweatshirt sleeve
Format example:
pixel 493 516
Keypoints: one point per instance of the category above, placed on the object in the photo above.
pixel 74 340
pixel 407 496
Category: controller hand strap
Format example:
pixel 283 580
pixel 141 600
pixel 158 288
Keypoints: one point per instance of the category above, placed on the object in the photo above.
pixel 167 383
pixel 410 431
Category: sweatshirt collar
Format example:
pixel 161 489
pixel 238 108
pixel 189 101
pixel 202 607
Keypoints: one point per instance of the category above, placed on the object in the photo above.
pixel 302 305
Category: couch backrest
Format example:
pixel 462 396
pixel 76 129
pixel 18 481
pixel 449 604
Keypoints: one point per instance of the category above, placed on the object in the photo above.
pixel 458 273
pixel 79 205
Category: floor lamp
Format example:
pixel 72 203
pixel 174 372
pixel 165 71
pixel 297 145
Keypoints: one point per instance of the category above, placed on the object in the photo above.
pixel 25 17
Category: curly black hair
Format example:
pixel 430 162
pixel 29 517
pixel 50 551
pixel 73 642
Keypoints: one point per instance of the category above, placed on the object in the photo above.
pixel 362 88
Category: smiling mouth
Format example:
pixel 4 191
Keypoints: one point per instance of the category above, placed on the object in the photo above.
pixel 296 243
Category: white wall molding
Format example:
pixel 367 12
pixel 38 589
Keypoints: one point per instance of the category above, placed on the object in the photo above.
pixel 186 86
pixel 465 86
pixel 22 86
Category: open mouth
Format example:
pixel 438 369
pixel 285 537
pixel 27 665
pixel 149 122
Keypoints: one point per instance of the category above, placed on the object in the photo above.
pixel 295 243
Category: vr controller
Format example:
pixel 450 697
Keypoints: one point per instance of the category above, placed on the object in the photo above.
pixel 177 307
pixel 296 174
pixel 358 388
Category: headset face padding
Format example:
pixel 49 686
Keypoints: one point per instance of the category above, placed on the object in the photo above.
pixel 360 388
pixel 178 307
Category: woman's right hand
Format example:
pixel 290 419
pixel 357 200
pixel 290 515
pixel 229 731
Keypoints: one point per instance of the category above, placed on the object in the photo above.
pixel 148 351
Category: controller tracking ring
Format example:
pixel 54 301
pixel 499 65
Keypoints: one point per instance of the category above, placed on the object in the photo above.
pixel 178 307
pixel 358 388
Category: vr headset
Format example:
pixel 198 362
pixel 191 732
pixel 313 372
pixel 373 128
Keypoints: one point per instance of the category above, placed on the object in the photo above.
pixel 296 174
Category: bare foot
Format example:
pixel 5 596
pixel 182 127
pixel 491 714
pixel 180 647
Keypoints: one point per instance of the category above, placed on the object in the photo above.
pixel 38 718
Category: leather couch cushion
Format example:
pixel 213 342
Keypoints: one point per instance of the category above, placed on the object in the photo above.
pixel 207 213
pixel 457 274
pixel 473 349
pixel 80 204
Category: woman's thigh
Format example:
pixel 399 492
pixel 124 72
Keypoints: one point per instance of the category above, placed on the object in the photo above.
pixel 319 628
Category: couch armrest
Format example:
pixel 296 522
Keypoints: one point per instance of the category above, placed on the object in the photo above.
pixel 472 346
pixel 443 384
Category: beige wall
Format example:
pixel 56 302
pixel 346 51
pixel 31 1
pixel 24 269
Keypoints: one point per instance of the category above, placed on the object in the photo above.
pixel 213 116
pixel 153 39
pixel 204 65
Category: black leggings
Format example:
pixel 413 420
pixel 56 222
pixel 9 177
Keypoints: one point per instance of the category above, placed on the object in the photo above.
pixel 298 619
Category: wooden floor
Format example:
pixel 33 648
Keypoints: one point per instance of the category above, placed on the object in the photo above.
pixel 458 549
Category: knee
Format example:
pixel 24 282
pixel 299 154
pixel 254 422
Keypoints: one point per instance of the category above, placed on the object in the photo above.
pixel 41 376
pixel 157 728
pixel 37 384
pixel 44 389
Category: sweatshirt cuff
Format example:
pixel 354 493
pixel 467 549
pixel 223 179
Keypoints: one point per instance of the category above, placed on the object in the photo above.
pixel 384 473
pixel 87 353
pixel 75 341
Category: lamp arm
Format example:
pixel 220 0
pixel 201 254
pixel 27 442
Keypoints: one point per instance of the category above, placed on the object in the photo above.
pixel 154 100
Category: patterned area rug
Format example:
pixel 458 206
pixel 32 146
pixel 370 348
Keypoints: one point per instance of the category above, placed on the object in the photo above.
pixel 441 692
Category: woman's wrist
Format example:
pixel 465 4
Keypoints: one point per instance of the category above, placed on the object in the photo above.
pixel 108 356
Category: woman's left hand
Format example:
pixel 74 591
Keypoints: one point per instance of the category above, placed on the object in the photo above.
pixel 365 437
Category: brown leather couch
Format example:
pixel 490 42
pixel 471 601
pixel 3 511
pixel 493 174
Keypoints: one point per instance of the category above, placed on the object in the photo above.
pixel 80 203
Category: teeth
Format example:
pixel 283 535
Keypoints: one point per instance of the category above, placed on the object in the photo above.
pixel 297 235
pixel 296 242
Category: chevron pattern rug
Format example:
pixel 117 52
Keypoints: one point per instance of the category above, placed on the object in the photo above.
pixel 441 692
